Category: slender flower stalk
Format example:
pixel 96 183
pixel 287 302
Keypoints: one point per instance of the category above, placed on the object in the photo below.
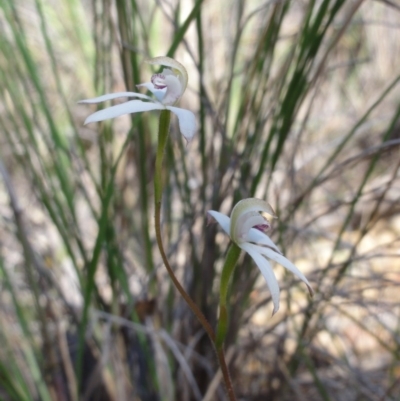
pixel 165 117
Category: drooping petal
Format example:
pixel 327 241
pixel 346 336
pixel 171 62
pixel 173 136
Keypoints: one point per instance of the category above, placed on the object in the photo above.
pixel 158 93
pixel 111 96
pixel 223 220
pixel 269 253
pixel 133 106
pixel 266 271
pixel 187 122
pixel 261 238
pixel 170 62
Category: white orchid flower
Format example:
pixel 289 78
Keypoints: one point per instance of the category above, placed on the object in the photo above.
pixel 167 87
pixel 246 227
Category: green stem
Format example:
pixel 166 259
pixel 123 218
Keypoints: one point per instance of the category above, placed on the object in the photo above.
pixel 165 117
pixel 163 131
pixel 227 271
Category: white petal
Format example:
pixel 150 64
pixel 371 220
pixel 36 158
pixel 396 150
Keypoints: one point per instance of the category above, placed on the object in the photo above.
pixel 133 106
pixel 116 95
pixel 187 122
pixel 223 220
pixel 158 93
pixel 269 253
pixel 266 271
pixel 261 238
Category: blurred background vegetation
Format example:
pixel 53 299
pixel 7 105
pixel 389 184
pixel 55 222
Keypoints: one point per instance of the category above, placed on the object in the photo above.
pixel 297 103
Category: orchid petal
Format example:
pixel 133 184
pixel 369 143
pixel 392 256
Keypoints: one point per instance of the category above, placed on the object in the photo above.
pixel 116 95
pixel 187 122
pixel 223 220
pixel 260 238
pixel 284 262
pixel 266 271
pixel 169 62
pixel 133 106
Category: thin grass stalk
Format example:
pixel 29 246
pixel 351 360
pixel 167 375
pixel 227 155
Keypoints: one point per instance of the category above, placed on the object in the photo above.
pixel 29 127
pixel 202 113
pixel 310 43
pixel 61 163
pixel 92 267
pixel 56 211
pixel 232 63
pixel 314 373
pixel 180 33
pixel 61 92
pixel 128 32
pixel 32 361
pixel 13 379
pixel 257 89
pixel 29 263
